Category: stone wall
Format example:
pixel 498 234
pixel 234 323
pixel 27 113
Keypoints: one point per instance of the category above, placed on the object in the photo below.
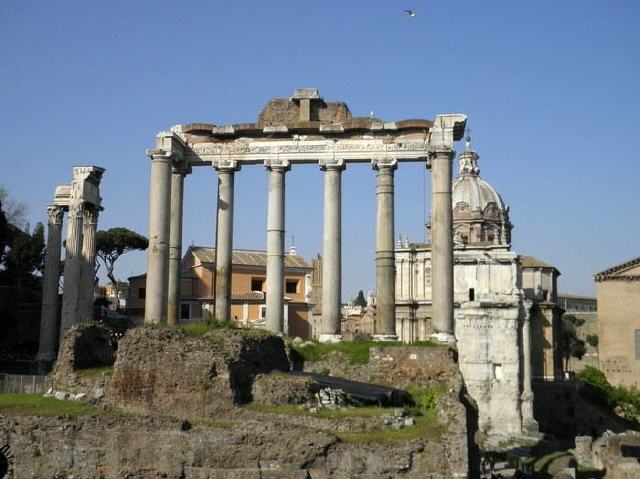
pixel 418 367
pixel 188 390
pixel 118 447
pixel 400 367
pixel 166 372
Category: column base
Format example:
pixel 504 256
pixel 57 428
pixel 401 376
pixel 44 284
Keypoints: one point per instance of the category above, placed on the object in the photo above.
pixel 386 337
pixel 444 338
pixel 330 338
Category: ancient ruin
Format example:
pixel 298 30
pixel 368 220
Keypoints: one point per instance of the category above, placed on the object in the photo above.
pixel 82 203
pixel 302 129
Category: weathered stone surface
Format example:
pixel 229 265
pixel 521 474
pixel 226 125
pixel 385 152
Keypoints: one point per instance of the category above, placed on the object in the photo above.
pixel 284 111
pixel 283 389
pixel 116 447
pixel 86 345
pixel 169 373
pixel 399 367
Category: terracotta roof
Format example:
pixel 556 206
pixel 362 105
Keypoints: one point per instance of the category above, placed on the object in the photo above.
pixel 531 262
pixel 612 272
pixel 247 257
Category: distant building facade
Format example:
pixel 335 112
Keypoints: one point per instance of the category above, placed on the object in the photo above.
pixel 248 287
pixel 573 303
pixel 618 292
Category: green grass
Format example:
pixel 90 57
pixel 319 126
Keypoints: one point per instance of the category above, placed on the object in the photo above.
pixel 426 427
pixel 96 372
pixel 36 405
pixel 423 411
pixel 295 410
pixel 197 329
pixel 357 352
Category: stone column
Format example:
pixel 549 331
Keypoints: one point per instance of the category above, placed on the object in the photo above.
pixel 385 252
pixel 332 253
pixel 529 424
pixel 72 267
pixel 175 244
pixel 50 284
pixel 88 274
pixel 275 248
pixel 224 241
pixel 158 253
pixel 442 243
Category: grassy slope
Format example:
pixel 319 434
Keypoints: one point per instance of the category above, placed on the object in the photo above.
pixel 36 405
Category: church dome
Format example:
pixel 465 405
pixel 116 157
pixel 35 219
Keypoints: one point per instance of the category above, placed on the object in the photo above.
pixel 479 213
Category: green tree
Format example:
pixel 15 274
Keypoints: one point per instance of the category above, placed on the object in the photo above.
pixel 23 258
pixel 592 340
pixel 360 300
pixel 113 243
pixel 572 345
pixel 15 212
pixel 4 232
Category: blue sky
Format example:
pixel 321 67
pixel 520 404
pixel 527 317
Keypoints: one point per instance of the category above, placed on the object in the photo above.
pixel 550 87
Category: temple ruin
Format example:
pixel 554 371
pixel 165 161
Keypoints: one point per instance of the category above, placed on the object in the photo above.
pixel 82 203
pixel 302 129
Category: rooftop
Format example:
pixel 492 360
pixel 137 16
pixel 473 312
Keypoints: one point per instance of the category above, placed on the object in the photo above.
pixel 242 257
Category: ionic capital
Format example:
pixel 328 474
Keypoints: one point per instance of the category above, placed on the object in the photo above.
pixel 158 154
pixel 226 165
pixel 335 165
pixel 55 214
pixel 446 130
pixel 389 164
pixel 440 153
pixel 181 168
pixel 277 165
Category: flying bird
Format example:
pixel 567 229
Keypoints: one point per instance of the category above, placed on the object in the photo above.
pixel 410 13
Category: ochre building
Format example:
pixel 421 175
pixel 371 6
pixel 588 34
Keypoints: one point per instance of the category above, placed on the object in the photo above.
pixel 618 292
pixel 248 289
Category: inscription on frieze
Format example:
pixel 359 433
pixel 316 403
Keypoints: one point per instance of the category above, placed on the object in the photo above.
pixel 300 147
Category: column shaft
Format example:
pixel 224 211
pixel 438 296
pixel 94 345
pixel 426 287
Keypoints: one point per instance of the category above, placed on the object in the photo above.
pixel 158 253
pixel 275 250
pixel 332 254
pixel 50 284
pixel 385 253
pixel 224 243
pixel 72 268
pixel 442 242
pixel 526 399
pixel 175 247
pixel 88 273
